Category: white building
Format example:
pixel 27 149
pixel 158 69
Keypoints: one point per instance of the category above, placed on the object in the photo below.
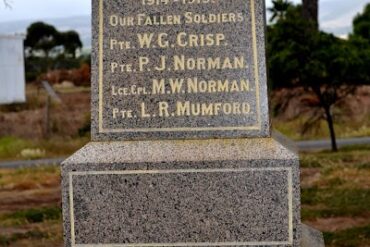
pixel 12 71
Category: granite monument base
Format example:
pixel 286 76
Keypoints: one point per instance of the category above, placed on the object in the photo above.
pixel 232 192
pixel 311 237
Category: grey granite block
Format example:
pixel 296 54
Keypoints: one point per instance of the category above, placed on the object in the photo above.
pixel 311 237
pixel 181 70
pixel 214 52
pixel 236 192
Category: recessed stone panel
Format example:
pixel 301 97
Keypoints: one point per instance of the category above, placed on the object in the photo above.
pixel 183 207
pixel 134 197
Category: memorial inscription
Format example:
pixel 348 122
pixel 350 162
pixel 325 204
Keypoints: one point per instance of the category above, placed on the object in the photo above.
pixel 178 69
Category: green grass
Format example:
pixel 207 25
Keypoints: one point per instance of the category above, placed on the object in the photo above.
pixel 40 170
pixel 36 218
pixel 355 148
pixel 35 178
pixel 338 188
pixel 33 215
pixel 335 202
pixel 34 234
pixel 343 129
pixel 353 237
pixel 364 166
pixel 11 147
pixel 310 162
pixel 355 156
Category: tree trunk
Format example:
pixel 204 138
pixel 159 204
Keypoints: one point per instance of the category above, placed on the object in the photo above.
pixel 329 120
pixel 48 63
pixel 311 11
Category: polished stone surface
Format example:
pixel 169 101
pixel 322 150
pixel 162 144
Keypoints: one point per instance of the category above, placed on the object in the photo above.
pixel 164 193
pixel 209 102
pixel 163 172
pixel 311 237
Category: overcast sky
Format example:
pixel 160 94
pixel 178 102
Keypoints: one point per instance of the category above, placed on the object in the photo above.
pixel 333 13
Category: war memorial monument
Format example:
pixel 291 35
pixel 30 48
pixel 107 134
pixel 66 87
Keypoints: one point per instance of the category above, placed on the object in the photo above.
pixel 182 151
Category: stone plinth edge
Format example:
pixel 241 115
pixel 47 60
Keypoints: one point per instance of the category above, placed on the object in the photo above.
pixel 311 237
pixel 107 187
pixel 176 150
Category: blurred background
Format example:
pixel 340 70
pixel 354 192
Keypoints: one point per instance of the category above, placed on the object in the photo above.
pixel 319 75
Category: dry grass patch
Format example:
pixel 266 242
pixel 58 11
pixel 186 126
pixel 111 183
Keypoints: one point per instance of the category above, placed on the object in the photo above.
pixel 45 234
pixel 29 178
pixel 336 195
pixel 30 213
pixel 339 223
pixel 26 188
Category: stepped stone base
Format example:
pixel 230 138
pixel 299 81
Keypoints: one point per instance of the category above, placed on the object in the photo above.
pixel 311 237
pixel 233 192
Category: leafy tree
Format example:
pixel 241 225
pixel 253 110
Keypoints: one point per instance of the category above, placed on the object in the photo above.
pixel 279 9
pixel 42 37
pixel 361 47
pixel 71 42
pixel 311 11
pixel 287 48
pixel 361 24
pixel 360 41
pixel 320 63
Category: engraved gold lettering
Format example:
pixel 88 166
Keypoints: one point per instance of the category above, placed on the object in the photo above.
pixel 157 20
pixel 162 64
pixel 143 62
pixel 143 111
pixel 158 86
pixel 115 20
pixel 163 109
pixel 199 40
pixel 212 109
pixel 209 63
pixel 195 18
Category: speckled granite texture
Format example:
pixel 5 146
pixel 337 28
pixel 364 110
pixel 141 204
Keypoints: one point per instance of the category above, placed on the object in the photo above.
pixel 235 192
pixel 243 39
pixel 166 177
